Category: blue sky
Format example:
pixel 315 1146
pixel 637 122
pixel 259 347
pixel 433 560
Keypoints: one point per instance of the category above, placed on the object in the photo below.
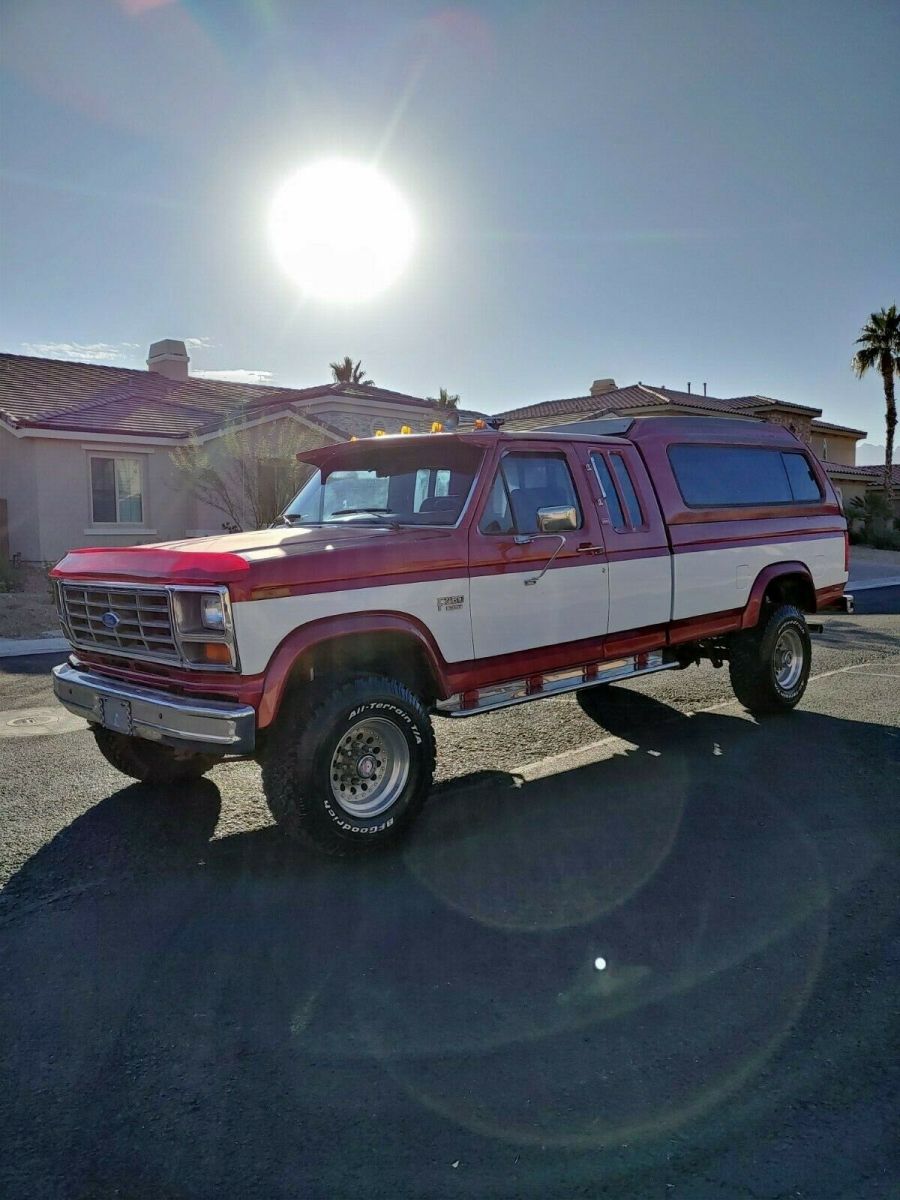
pixel 656 191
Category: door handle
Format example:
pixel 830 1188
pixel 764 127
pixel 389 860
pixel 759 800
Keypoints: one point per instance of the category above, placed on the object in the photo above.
pixel 587 548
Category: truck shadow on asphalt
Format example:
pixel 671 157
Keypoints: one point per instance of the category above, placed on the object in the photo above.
pixel 692 934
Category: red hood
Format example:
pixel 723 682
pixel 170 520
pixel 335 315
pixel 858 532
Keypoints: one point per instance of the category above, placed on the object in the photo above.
pixel 291 556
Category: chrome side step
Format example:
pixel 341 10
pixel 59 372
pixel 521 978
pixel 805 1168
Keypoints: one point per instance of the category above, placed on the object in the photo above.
pixel 553 683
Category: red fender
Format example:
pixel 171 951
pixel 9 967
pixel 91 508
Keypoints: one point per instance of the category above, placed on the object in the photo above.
pixel 301 640
pixel 750 618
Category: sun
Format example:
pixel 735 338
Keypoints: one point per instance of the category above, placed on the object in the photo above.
pixel 341 230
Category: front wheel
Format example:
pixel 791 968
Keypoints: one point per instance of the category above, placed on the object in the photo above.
pixel 769 666
pixel 348 767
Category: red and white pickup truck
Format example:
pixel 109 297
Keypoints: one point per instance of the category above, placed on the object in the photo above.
pixel 449 574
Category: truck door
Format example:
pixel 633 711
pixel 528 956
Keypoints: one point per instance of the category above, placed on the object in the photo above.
pixel 639 560
pixel 531 588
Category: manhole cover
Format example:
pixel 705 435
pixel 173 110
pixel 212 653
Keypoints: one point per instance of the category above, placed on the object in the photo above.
pixel 38 722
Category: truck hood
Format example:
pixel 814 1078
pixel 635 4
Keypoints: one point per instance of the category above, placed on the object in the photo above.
pixel 315 553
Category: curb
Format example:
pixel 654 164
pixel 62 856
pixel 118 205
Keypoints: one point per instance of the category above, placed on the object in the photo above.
pixel 19 647
pixel 868 585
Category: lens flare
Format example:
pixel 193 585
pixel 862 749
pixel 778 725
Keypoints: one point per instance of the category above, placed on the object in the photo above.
pixel 341 231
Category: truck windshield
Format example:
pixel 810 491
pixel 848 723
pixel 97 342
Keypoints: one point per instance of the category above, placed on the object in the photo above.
pixel 414 482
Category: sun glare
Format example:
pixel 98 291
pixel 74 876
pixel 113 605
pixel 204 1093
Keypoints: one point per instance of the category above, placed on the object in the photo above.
pixel 341 230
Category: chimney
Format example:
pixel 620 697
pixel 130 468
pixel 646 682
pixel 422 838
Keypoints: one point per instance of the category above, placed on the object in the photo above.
pixel 599 386
pixel 169 358
pixel 704 389
pixel 689 387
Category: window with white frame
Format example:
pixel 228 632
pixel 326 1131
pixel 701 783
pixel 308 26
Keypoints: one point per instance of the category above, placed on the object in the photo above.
pixel 117 490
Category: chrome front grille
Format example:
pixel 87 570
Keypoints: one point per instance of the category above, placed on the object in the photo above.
pixel 138 620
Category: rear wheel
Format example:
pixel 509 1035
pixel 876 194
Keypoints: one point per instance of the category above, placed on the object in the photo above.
pixel 150 762
pixel 769 666
pixel 347 768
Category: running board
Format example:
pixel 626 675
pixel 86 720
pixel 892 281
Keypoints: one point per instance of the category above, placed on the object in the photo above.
pixel 553 683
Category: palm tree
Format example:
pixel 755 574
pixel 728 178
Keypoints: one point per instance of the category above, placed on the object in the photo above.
pixel 350 372
pixel 444 400
pixel 880 349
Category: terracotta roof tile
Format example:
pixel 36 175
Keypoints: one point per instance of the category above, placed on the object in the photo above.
pixel 52 394
pixel 817 424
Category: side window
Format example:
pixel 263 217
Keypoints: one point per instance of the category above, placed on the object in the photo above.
pixel 608 488
pixel 626 488
pixel 497 517
pixel 730 476
pixel 804 484
pixel 524 484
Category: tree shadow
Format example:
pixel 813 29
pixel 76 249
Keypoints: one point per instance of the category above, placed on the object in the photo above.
pixel 665 939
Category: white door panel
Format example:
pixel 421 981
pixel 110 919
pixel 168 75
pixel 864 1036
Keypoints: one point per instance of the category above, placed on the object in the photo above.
pixel 566 605
pixel 640 592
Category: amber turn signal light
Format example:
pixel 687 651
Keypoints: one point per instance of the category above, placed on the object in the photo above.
pixel 216 652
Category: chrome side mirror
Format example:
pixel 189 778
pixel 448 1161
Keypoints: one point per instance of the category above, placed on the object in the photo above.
pixel 560 518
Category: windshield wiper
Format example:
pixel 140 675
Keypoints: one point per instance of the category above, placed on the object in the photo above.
pixel 367 512
pixel 292 519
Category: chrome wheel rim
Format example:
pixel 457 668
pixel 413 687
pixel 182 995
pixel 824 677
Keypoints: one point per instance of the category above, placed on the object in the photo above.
pixel 369 767
pixel 789 659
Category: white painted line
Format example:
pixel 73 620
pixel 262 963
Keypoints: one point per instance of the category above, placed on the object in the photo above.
pixel 582 755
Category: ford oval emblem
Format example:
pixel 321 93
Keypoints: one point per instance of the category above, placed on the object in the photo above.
pixel 110 620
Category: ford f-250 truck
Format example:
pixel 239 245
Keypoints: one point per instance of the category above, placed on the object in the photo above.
pixel 449 574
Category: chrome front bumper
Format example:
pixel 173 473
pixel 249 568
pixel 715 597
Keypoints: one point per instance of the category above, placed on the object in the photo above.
pixel 211 726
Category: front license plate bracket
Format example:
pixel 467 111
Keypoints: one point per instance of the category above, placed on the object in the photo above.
pixel 116 714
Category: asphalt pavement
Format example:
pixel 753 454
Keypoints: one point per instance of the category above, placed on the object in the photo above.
pixel 653 957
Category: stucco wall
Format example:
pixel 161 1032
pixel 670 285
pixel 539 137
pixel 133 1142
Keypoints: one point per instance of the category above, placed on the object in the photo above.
pixel 62 469
pixel 18 488
pixel 834 447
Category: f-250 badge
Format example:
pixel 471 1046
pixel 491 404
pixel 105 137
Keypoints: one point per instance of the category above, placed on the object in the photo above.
pixel 449 603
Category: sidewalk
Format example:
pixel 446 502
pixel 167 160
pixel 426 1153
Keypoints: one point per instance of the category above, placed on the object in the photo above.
pixel 871 569
pixel 14 647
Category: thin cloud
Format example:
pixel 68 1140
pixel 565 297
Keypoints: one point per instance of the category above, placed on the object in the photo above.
pixel 202 343
pixel 82 351
pixel 237 376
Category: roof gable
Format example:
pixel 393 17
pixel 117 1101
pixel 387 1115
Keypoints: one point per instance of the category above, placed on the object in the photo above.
pixel 54 395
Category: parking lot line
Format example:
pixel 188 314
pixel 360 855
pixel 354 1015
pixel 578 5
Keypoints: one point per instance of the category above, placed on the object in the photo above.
pixel 580 755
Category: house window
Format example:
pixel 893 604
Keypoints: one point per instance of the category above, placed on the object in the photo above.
pixel 116 491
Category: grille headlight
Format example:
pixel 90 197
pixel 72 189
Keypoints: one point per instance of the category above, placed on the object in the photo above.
pixel 212 612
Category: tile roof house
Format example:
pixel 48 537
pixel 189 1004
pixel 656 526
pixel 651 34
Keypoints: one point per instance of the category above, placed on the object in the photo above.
pixel 85 449
pixel 834 444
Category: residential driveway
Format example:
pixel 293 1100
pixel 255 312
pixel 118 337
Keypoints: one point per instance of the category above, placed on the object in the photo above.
pixel 654 958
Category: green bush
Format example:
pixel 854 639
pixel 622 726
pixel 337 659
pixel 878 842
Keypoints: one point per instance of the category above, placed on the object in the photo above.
pixel 888 540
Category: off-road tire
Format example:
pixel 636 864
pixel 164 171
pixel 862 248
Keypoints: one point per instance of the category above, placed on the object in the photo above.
pixel 151 762
pixel 299 761
pixel 754 662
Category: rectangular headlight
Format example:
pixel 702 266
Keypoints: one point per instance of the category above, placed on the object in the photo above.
pixel 212 612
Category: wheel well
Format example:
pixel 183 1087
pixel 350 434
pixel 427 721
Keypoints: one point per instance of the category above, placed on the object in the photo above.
pixel 793 589
pixel 396 655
